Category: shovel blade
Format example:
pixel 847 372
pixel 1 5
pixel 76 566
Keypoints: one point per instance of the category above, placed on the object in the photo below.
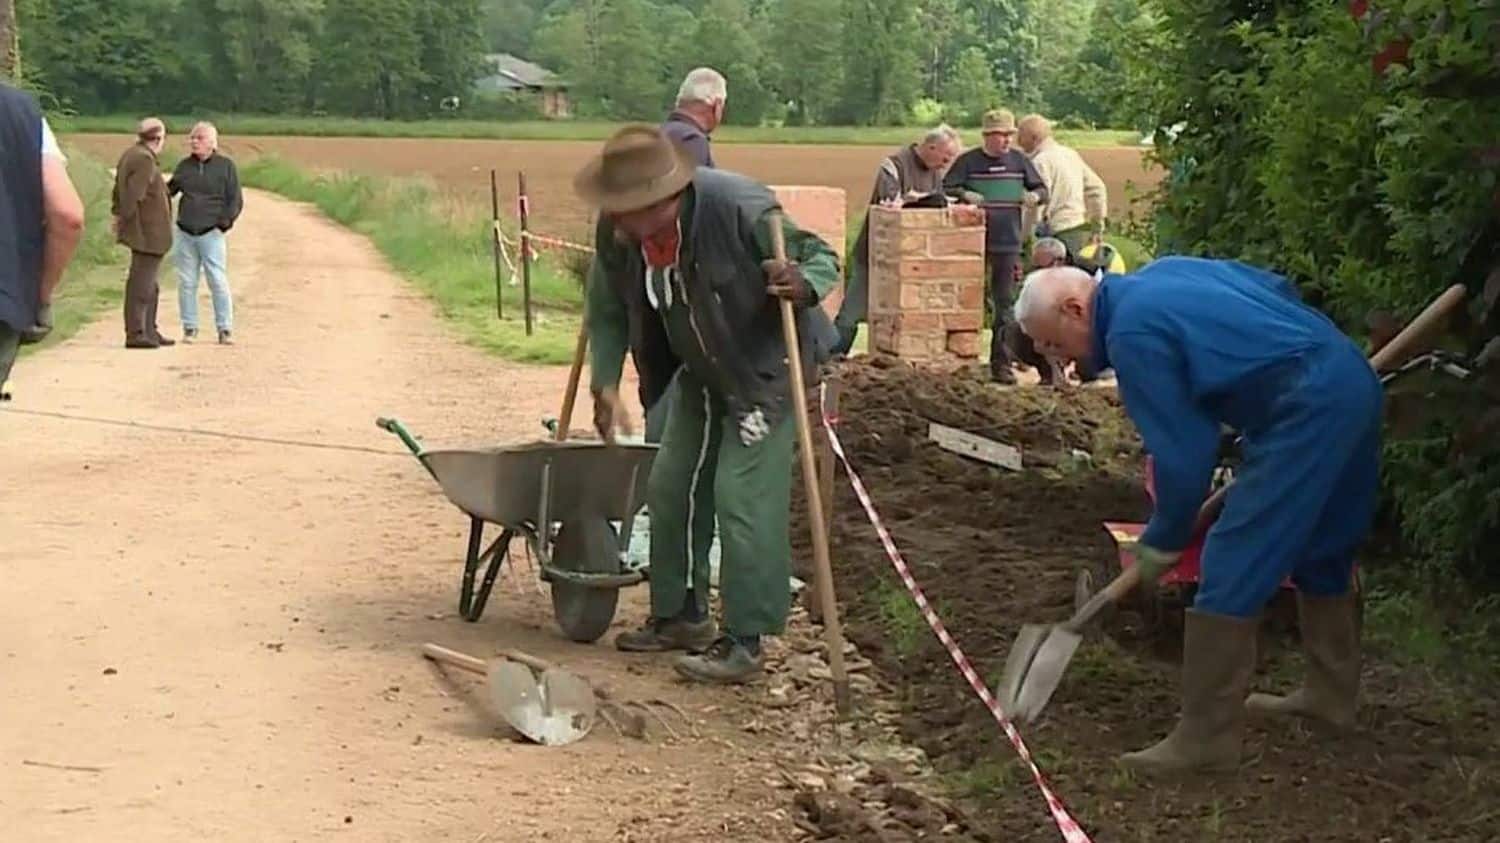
pixel 1046 672
pixel 554 712
pixel 1022 653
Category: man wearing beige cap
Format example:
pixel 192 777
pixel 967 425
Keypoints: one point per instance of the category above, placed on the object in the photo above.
pixel 1002 180
pixel 685 253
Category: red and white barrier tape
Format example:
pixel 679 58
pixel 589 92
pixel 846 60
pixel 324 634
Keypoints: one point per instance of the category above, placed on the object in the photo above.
pixel 1071 831
pixel 556 241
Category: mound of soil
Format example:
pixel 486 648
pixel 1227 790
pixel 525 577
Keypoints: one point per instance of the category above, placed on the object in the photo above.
pixel 995 549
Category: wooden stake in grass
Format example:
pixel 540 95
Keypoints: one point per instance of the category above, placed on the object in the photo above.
pixel 495 242
pixel 833 631
pixel 524 202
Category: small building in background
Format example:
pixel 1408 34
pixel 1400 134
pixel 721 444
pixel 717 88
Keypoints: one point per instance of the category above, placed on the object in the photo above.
pixel 515 77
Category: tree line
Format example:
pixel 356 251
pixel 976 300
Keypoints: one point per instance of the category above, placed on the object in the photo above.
pixel 803 62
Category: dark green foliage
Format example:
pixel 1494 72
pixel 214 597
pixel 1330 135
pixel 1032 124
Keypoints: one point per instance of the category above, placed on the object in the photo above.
pixel 1367 188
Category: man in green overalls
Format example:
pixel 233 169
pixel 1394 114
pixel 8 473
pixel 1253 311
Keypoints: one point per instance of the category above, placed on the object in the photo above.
pixel 685 252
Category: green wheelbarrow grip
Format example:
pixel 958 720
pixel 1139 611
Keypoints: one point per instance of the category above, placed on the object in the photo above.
pixel 396 427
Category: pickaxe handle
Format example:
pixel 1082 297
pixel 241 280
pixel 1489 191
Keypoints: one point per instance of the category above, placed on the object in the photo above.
pixel 832 630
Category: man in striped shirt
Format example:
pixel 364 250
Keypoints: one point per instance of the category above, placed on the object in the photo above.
pixel 1005 182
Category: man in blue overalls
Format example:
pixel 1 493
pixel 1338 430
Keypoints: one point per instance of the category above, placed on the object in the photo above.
pixel 1199 343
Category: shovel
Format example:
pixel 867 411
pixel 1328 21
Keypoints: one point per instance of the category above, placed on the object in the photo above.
pixel 555 711
pixel 1040 656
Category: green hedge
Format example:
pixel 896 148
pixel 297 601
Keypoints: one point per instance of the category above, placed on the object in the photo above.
pixel 1366 187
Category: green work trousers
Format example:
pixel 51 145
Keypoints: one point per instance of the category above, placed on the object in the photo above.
pixel 703 470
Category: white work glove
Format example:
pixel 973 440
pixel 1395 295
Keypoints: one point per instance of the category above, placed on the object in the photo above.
pixel 1031 199
pixel 753 428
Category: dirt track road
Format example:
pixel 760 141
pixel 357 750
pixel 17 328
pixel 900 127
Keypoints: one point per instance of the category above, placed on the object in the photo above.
pixel 229 629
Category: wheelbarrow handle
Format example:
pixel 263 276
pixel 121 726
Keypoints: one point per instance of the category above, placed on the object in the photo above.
pixel 396 427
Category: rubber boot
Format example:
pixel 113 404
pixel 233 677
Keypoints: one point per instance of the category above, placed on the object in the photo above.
pixel 1217 660
pixel 1330 689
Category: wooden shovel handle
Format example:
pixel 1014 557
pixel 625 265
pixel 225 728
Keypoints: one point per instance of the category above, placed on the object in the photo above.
pixel 453 657
pixel 1119 587
pixel 575 374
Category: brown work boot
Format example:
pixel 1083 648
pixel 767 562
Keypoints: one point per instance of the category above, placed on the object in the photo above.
pixel 141 342
pixel 659 635
pixel 1330 689
pixel 1217 660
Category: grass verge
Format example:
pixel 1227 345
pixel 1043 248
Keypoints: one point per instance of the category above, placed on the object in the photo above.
pixel 95 280
pixel 443 246
pixel 579 130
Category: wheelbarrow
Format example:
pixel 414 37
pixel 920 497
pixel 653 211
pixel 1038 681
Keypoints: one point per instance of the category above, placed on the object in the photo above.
pixel 572 502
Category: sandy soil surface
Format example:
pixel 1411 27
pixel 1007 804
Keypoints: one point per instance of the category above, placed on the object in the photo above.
pixel 464 166
pixel 223 635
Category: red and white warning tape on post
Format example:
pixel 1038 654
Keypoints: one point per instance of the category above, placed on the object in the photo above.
pixel 1071 831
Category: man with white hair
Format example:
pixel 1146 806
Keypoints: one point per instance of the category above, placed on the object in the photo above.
pixel 211 202
pixel 143 222
pixel 700 110
pixel 913 170
pixel 1196 344
pixel 1077 199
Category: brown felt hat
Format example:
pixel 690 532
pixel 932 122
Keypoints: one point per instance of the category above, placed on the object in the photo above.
pixel 999 122
pixel 638 167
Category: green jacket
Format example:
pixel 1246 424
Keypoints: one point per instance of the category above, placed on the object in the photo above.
pixel 723 325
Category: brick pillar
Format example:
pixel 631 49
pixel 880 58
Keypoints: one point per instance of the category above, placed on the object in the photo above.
pixel 926 285
pixel 820 210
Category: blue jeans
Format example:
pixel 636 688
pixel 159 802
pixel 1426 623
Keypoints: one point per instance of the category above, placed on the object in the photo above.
pixel 207 253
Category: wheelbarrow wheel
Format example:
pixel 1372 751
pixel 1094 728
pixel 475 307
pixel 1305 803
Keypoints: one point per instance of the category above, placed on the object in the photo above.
pixel 584 613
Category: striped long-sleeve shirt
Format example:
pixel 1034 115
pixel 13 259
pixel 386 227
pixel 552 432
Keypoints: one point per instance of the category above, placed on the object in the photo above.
pixel 1003 181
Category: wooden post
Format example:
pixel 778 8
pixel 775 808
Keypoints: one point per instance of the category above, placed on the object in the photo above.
pixel 495 246
pixel 524 204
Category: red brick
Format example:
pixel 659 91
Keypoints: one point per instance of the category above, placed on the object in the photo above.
pixel 923 218
pixel 916 320
pixel 969 320
pixel 816 208
pixel 971 297
pixel 962 241
pixel 911 296
pixel 928 268
pixel 963 343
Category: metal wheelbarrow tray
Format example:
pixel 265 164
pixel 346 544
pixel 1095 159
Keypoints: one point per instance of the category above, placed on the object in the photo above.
pixel 576 489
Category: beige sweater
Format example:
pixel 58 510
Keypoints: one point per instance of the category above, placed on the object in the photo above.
pixel 1075 193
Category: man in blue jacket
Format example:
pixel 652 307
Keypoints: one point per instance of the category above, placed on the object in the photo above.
pixel 1199 343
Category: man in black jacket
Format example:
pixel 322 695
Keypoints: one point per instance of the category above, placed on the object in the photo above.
pixel 41 222
pixel 211 202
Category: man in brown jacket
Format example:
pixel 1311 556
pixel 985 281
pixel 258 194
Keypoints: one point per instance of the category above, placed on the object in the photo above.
pixel 143 221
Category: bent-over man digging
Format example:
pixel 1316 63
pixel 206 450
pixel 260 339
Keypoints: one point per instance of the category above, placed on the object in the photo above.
pixel 685 253
pixel 1199 343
